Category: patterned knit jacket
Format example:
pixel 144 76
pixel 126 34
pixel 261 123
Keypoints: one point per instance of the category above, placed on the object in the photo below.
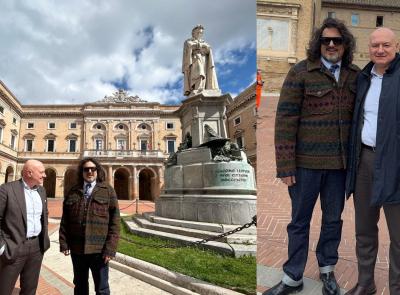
pixel 92 226
pixel 313 118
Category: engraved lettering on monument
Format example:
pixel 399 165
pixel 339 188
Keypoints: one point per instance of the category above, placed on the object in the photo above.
pixel 233 175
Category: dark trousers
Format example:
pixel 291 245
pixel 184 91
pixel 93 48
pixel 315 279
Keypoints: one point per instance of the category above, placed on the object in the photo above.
pixel 81 265
pixel 27 266
pixel 367 218
pixel 330 186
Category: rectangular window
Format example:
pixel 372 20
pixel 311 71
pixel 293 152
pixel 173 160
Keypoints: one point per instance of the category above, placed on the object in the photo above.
pixel 355 19
pixel 121 144
pixel 30 125
pixel 171 146
pixel 331 14
pixel 12 143
pixel 72 125
pixel 236 121
pixel 52 125
pixel 29 145
pixel 143 145
pixel 2 110
pixel 170 125
pixel 50 145
pixel 72 145
pixel 379 21
pixel 239 141
pixel 14 120
pixel 99 144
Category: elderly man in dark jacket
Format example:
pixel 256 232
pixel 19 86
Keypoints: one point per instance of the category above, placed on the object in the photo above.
pixel 312 125
pixel 374 159
pixel 89 228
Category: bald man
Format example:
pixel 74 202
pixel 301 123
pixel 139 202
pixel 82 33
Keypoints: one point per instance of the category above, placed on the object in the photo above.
pixel 374 159
pixel 23 229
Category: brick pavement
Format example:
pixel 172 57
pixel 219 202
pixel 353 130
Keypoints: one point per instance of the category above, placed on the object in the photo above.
pixel 52 283
pixel 273 211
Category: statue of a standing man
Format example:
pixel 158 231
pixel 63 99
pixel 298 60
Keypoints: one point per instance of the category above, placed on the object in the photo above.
pixel 198 64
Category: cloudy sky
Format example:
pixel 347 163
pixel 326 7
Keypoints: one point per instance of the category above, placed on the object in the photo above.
pixel 78 51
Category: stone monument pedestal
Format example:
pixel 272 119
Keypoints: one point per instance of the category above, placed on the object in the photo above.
pixel 200 189
pixel 207 107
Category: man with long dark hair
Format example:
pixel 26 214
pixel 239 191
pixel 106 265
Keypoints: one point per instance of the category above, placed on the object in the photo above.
pixel 311 136
pixel 89 228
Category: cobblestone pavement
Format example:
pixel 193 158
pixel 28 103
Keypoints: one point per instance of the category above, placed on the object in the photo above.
pixel 273 211
pixel 56 273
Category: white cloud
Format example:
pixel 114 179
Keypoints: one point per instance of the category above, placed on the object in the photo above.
pixel 70 51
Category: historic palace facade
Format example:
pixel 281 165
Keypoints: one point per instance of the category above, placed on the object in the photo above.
pixel 131 137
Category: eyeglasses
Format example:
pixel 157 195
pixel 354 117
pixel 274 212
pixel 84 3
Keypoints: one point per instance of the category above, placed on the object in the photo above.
pixel 87 169
pixel 327 40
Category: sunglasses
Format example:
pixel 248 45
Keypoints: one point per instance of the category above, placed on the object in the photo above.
pixel 87 169
pixel 327 40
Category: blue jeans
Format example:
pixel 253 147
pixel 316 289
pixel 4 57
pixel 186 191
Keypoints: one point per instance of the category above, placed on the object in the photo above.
pixel 94 262
pixel 330 185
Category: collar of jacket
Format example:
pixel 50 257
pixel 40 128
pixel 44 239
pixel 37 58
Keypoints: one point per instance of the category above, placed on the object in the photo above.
pixel 394 65
pixel 98 184
pixel 317 65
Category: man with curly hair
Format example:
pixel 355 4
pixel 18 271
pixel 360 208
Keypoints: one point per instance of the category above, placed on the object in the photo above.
pixel 89 228
pixel 312 126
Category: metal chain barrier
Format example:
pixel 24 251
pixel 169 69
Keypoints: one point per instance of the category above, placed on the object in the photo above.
pixel 135 201
pixel 198 243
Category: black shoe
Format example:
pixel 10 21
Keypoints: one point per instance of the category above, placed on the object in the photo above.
pixel 283 289
pixel 330 286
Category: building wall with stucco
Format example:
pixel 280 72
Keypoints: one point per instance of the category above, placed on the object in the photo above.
pixel 241 123
pixel 283 31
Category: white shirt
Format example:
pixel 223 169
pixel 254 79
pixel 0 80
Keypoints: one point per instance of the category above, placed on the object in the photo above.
pixel 328 64
pixel 92 185
pixel 34 208
pixel 371 107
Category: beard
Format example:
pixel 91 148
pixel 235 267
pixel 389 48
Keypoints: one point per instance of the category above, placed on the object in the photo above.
pixel 333 58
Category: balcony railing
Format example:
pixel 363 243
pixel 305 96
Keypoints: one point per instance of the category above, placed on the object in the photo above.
pixel 124 153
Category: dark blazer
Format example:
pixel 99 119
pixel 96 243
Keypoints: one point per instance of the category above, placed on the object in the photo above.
pixel 13 224
pixel 385 189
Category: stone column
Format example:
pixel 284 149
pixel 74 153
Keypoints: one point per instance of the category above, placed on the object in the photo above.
pixel 158 182
pixel 130 133
pixel 59 191
pixel 109 176
pixel 130 187
pixel 108 140
pixel 135 183
pixel 85 131
pixel 293 31
pixel 154 188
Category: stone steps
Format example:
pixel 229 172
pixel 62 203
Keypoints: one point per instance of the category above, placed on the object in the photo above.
pixel 236 250
pixel 212 227
pixel 194 229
